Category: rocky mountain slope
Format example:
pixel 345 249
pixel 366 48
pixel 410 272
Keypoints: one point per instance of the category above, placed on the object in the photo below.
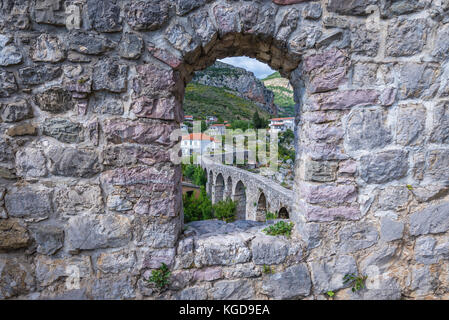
pixel 283 94
pixel 242 82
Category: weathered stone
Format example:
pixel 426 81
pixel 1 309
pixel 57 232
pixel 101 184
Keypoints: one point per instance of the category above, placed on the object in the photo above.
pixel 50 12
pixel 125 155
pixel 153 79
pixel 244 270
pixel 299 43
pixel 154 258
pixel 31 163
pixel 343 100
pixel 440 125
pixel 406 37
pixel 320 171
pixel 118 203
pixel 322 214
pixel 22 129
pixel 185 6
pixel 116 262
pixel 292 283
pixel 164 55
pixel 288 24
pixel 8 84
pixel 81 198
pixel 367 129
pixel 436 166
pixel 54 100
pixel 16 277
pixel 267 250
pixel 9 53
pixel 312 11
pixel 163 108
pixel 93 232
pixel 425 250
pixel 39 74
pixel 130 46
pixel 13 235
pixel 410 124
pixel 180 39
pixel 383 166
pixel 227 18
pixel 160 235
pixel 26 202
pixel 418 80
pixel 328 194
pixel 393 198
pixel 88 43
pixel 364 42
pixel 433 219
pixel 193 293
pixel 47 48
pixel 391 230
pixel 120 131
pixel 429 192
pixel 208 274
pixel 50 270
pixel 328 275
pixel 422 281
pixel 327 70
pixel 110 75
pixel 63 130
pixel 358 236
pixel 16 111
pixel 203 27
pixel 222 250
pixel 147 15
pixel 385 288
pixel 351 7
pixel 441 46
pixel 232 290
pixel 104 15
pixel 71 162
pixel 389 8
pixel 49 238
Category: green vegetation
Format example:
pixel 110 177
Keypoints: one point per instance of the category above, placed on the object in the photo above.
pixel 272 76
pixel 357 282
pixel 160 277
pixel 195 174
pixel 267 269
pixel 270 215
pixel 225 210
pixel 280 228
pixel 241 124
pixel 259 122
pixel 283 96
pixel 330 293
pixel 196 209
pixel 201 101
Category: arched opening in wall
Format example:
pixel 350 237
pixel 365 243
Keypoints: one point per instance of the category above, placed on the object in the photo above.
pixel 240 199
pixel 228 194
pixel 219 188
pixel 261 208
pixel 283 213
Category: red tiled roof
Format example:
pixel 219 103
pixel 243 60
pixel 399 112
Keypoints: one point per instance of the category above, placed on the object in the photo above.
pixel 198 136
pixel 277 119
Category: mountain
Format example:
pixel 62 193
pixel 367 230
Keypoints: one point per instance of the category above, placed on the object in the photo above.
pixel 202 100
pixel 243 83
pixel 283 94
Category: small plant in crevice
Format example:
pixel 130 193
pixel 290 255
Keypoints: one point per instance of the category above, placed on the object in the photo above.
pixel 410 187
pixel 160 277
pixel 267 269
pixel 270 215
pixel 330 294
pixel 280 228
pixel 357 282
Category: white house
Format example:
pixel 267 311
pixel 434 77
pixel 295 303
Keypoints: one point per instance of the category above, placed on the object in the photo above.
pixel 197 143
pixel 282 124
pixel 218 129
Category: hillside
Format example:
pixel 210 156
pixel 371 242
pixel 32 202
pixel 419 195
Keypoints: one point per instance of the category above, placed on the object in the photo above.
pixel 243 83
pixel 203 100
pixel 283 94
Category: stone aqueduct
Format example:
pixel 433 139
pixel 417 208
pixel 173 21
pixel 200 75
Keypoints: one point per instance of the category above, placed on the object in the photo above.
pixel 254 194
pixel 90 203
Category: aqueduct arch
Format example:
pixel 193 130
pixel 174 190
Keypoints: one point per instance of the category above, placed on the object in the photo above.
pixel 87 112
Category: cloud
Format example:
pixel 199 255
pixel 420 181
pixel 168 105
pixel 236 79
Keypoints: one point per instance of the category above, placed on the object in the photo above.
pixel 260 70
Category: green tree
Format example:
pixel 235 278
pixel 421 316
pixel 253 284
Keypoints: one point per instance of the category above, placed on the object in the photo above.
pixel 259 122
pixel 203 126
pixel 196 209
pixel 225 210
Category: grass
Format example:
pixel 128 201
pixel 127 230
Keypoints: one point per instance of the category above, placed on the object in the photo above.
pixel 280 228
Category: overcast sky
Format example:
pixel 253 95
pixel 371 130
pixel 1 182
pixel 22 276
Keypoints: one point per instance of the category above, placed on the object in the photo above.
pixel 261 70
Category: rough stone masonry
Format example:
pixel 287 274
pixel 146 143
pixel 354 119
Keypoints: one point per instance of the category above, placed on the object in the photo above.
pixel 90 203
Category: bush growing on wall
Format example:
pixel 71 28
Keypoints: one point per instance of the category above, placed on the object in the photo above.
pixel 225 210
pixel 196 209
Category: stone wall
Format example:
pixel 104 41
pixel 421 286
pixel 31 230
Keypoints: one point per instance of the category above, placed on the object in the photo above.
pixel 91 91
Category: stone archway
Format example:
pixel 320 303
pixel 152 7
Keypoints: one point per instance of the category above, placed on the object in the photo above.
pixel 283 213
pixel 240 197
pixel 88 110
pixel 219 188
pixel 261 208
pixel 228 194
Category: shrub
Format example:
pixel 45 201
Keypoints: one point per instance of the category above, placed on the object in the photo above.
pixel 225 210
pixel 160 277
pixel 270 215
pixel 196 209
pixel 280 228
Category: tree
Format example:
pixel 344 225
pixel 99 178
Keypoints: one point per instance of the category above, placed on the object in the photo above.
pixel 203 126
pixel 259 122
